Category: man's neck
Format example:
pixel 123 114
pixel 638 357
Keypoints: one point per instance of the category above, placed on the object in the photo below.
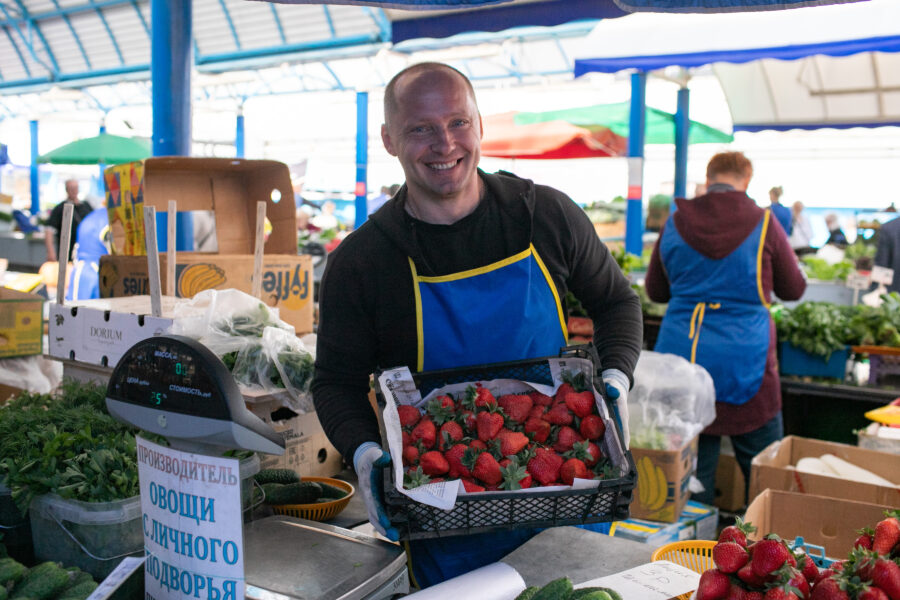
pixel 444 212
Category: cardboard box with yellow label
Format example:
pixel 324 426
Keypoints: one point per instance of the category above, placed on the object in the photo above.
pixel 662 485
pixel 21 323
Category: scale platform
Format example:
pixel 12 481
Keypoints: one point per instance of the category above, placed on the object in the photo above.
pixel 176 387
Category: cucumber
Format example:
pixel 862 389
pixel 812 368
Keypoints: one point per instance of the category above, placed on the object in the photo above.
pixel 331 492
pixel 11 571
pixel 558 589
pixel 283 476
pixel 42 582
pixel 303 492
pixel 528 593
pixel 594 595
pixel 78 592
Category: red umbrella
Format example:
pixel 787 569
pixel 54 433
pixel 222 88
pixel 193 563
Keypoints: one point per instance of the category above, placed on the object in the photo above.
pixel 550 139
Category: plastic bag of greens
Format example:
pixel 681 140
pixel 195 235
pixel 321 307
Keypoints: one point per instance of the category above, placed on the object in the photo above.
pixel 672 401
pixel 293 364
pixel 220 314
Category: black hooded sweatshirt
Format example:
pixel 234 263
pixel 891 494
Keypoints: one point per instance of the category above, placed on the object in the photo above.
pixel 367 315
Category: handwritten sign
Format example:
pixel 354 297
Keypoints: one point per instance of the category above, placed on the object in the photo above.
pixel 858 280
pixel 882 275
pixel 193 526
pixel 659 580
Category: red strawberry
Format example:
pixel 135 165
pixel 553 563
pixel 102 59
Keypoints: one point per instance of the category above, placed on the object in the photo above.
pixel 714 585
pixel 482 397
pixel 751 595
pixel 559 415
pixel 515 477
pixel 736 592
pixel 477 445
pixel 561 392
pixel 425 432
pixel 592 427
pixel 887 535
pixel 581 403
pixel 808 568
pixel 410 455
pixel 566 438
pixel 886 575
pixel 441 410
pixel 544 467
pixel 468 419
pixel 540 399
pixel 828 589
pixel 823 574
pixel 729 556
pixel 780 593
pixel 454 458
pixel 537 411
pixel 511 442
pixel 446 401
pixel 588 452
pixel 539 427
pixel 471 486
pixel 790 577
pixel 573 469
pixel 872 593
pixel 487 469
pixel 747 575
pixel 865 539
pixel 769 555
pixel 737 533
pixel 451 431
pixel 516 406
pixel 434 463
pixel 409 415
pixel 406 439
pixel 488 425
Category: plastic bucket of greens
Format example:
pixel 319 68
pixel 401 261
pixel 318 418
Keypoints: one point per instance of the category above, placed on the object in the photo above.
pixel 96 536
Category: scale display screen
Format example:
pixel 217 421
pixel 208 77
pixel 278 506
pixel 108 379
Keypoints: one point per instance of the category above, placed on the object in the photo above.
pixel 170 375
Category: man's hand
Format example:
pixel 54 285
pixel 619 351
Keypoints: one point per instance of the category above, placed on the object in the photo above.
pixel 617 389
pixel 368 461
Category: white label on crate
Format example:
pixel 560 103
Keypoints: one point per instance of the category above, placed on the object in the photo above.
pixel 123 571
pixel 858 280
pixel 882 275
pixel 659 580
pixel 193 532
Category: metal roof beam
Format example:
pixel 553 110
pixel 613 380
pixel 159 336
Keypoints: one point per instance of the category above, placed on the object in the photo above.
pixel 278 24
pixel 18 52
pixel 63 11
pixel 65 18
pixel 329 20
pixel 54 68
pixel 230 21
pixel 140 15
pixel 109 32
pixel 381 19
pixel 277 51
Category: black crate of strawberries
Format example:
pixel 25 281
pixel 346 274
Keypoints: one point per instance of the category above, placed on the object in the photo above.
pixel 501 444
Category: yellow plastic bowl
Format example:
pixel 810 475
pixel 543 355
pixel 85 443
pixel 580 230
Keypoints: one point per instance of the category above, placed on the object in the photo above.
pixel 319 511
pixel 695 555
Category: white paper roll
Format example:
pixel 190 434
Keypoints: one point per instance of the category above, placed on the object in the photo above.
pixel 497 581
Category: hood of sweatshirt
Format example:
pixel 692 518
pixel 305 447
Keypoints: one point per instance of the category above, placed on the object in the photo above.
pixel 716 223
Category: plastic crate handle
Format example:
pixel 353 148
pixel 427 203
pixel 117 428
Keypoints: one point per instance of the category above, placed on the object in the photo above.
pixel 80 545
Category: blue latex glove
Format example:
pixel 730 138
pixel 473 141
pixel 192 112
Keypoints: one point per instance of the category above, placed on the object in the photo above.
pixel 368 461
pixel 617 389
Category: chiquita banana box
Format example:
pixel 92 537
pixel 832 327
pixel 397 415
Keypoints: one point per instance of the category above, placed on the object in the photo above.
pixel 125 208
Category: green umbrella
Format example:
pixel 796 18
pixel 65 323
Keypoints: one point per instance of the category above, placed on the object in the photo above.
pixel 660 125
pixel 101 149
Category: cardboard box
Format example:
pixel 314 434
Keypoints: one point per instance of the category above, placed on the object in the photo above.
pixel 307 451
pixel 697 522
pixel 7 392
pixel 656 468
pixel 21 323
pixel 730 485
pixel 773 468
pixel 99 332
pixel 230 188
pixel 287 281
pixel 827 522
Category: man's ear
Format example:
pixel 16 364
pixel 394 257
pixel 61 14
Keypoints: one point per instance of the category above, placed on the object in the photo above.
pixel 480 127
pixel 386 140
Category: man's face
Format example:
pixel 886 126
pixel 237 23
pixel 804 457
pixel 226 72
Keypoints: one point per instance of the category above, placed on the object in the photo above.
pixel 72 190
pixel 436 134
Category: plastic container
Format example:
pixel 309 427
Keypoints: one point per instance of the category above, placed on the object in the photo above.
pixel 320 511
pixel 96 536
pixel 16 529
pixel 496 511
pixel 795 361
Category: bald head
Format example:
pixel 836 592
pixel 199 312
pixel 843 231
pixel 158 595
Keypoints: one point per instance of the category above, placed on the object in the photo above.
pixel 393 93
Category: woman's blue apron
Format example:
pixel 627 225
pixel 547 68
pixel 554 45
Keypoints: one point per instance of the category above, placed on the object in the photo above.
pixel 84 281
pixel 718 316
pixel 505 311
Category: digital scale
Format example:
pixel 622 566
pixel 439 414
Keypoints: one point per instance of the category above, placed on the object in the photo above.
pixel 176 387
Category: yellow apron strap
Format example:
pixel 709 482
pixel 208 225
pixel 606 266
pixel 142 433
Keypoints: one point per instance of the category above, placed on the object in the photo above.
pixel 420 335
pixel 759 254
pixel 697 322
pixel 409 567
pixel 559 309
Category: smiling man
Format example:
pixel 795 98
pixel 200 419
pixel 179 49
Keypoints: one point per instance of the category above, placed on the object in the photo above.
pixel 459 268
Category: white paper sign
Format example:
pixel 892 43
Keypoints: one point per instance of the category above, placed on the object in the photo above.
pixel 882 275
pixel 193 527
pixel 857 280
pixel 659 580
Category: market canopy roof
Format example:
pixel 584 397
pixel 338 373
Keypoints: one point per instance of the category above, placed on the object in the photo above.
pixel 831 66
pixel 101 149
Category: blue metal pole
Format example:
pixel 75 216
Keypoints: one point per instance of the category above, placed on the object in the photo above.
pixel 170 73
pixel 634 210
pixel 101 187
pixel 35 187
pixel 362 156
pixel 682 132
pixel 239 134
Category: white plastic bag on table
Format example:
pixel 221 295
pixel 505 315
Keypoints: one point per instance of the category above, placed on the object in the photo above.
pixel 32 373
pixel 293 363
pixel 671 402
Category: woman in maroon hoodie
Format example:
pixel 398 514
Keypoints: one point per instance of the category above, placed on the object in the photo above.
pixel 717 262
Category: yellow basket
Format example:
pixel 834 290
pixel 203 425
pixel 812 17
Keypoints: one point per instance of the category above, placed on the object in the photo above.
pixel 695 555
pixel 319 511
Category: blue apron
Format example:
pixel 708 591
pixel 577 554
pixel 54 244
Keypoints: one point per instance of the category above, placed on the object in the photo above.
pixel 84 281
pixel 718 316
pixel 508 310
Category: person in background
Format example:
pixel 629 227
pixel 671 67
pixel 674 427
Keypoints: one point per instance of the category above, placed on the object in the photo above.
pixel 888 252
pixel 801 231
pixel 836 237
pixel 54 223
pixel 459 268
pixel 781 212
pixel 92 243
pixel 717 262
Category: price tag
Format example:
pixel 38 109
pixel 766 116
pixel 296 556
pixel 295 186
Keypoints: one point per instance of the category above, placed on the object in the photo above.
pixel 123 571
pixel 882 275
pixel 658 580
pixel 858 280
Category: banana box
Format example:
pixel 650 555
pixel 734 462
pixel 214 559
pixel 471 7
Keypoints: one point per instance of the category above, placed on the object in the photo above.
pixel 697 522
pixel 21 323
pixel 662 483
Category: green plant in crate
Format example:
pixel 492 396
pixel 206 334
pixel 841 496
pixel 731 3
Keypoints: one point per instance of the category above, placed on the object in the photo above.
pixel 819 328
pixel 821 269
